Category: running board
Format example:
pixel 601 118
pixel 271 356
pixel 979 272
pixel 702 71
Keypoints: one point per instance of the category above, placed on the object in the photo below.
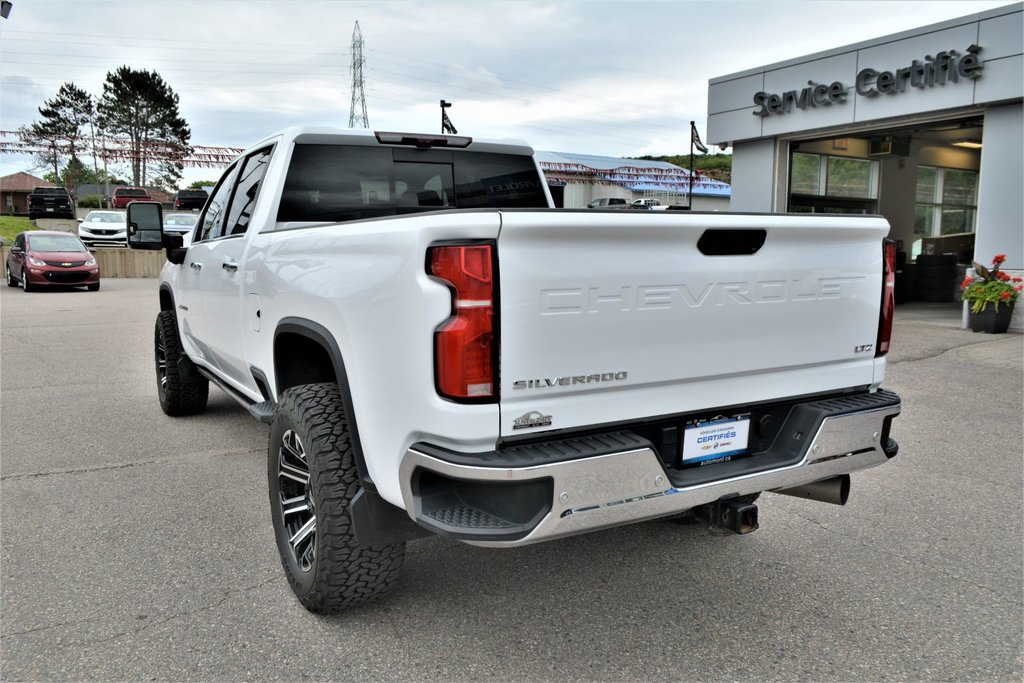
pixel 262 411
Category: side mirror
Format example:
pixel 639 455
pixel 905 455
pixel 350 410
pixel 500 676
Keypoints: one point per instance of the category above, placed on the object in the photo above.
pixel 145 225
pixel 81 220
pixel 17 250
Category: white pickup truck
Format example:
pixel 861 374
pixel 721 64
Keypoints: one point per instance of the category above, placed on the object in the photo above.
pixel 438 351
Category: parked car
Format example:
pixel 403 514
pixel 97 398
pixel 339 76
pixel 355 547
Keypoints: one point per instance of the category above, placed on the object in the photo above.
pixel 123 195
pixel 103 229
pixel 41 258
pixel 649 203
pixel 50 202
pixel 180 223
pixel 605 202
pixel 190 199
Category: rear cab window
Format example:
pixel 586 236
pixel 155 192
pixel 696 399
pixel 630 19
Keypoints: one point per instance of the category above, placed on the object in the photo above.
pixel 335 183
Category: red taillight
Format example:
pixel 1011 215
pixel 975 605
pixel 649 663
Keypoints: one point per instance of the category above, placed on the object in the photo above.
pixel 464 346
pixel 888 297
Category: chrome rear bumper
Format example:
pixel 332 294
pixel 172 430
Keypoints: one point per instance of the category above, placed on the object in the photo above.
pixel 632 485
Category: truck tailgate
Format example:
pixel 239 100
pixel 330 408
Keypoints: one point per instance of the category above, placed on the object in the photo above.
pixel 610 317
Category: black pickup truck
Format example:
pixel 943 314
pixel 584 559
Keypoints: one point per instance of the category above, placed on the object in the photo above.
pixel 50 202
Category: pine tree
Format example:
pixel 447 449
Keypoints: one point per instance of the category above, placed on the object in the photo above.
pixel 141 108
pixel 62 127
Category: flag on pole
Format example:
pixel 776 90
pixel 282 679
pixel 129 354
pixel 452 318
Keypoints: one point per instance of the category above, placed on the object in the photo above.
pixel 695 139
pixel 446 124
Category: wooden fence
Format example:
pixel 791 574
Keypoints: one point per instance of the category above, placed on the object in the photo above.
pixel 124 262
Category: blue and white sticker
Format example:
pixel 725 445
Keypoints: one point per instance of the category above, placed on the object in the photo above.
pixel 715 439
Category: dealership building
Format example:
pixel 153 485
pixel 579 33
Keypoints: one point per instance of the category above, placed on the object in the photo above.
pixel 923 127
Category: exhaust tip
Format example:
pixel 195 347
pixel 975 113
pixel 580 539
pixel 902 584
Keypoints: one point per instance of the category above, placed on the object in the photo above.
pixel 835 490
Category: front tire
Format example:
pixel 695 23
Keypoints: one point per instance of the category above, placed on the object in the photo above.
pixel 93 288
pixel 11 280
pixel 312 478
pixel 177 397
pixel 25 284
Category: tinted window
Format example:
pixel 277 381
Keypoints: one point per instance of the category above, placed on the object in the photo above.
pixel 244 202
pixel 332 183
pixel 497 181
pixel 210 225
pixel 340 183
pixel 130 193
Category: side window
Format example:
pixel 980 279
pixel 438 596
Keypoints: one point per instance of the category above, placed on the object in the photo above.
pixel 212 221
pixel 244 201
pixel 19 241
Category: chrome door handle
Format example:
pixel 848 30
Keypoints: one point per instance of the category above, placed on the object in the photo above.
pixel 229 266
pixel 195 265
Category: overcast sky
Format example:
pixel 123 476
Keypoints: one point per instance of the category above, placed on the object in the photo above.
pixel 614 77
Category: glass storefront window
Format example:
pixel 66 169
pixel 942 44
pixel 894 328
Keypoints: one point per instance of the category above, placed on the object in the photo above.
pixel 959 187
pixel 926 179
pixel 956 220
pixel 946 201
pixel 806 174
pixel 924 218
pixel 850 178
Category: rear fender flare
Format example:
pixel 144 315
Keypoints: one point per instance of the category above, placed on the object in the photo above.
pixel 322 336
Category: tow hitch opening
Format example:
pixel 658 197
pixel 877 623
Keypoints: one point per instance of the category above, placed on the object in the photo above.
pixel 735 515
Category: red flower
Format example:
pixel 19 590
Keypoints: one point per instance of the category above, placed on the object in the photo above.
pixel 1018 288
pixel 1017 279
pixel 1004 296
pixel 1000 258
pixel 1003 276
pixel 966 283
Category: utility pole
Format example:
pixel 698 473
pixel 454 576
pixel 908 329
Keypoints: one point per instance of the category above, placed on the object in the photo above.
pixel 358 84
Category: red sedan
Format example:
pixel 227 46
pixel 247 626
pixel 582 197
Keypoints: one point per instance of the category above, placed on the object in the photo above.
pixel 48 258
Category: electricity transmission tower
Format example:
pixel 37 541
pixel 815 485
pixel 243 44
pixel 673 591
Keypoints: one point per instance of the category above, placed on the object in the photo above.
pixel 358 89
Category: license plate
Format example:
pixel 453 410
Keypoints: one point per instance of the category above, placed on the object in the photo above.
pixel 49 208
pixel 715 439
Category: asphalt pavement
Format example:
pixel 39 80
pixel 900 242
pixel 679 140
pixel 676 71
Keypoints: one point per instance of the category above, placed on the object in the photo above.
pixel 137 546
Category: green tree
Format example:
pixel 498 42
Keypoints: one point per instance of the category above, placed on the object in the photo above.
pixel 81 174
pixel 200 184
pixel 140 108
pixel 61 130
pixel 718 166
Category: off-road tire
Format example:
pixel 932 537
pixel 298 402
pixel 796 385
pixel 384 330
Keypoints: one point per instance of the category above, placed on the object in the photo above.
pixel 177 397
pixel 330 572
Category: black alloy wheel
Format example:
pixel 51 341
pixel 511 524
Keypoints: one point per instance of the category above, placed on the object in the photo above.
pixel 296 500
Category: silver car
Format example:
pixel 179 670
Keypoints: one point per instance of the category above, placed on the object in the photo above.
pixel 180 223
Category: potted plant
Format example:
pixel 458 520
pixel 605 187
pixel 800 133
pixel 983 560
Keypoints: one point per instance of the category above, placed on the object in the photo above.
pixel 992 295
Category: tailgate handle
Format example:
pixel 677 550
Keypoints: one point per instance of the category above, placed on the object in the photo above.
pixel 731 242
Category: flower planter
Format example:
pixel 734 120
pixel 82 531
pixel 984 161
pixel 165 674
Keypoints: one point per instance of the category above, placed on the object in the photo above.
pixel 990 320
